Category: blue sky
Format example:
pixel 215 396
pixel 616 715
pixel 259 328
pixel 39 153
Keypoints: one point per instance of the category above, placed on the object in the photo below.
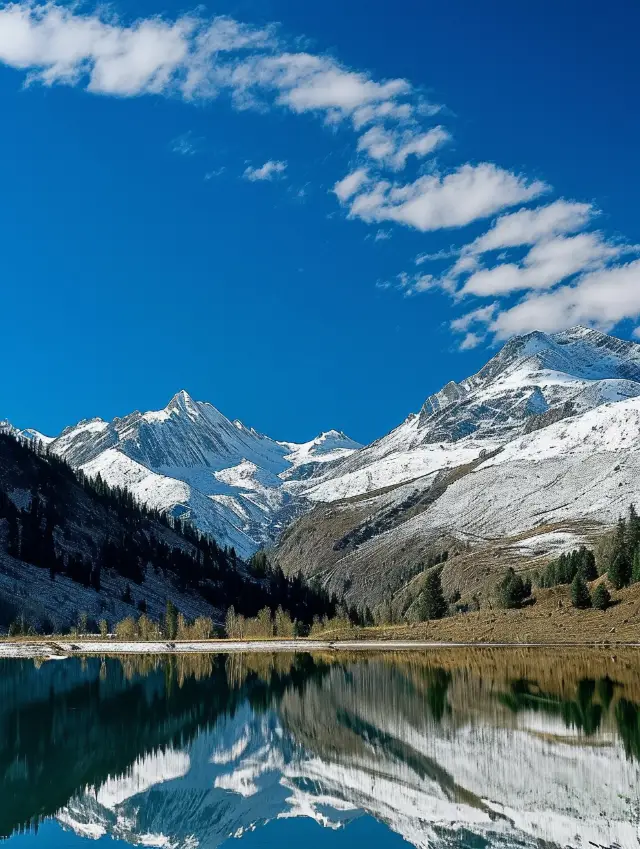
pixel 317 223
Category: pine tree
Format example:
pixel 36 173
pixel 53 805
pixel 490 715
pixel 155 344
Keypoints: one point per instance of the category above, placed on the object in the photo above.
pixel 513 590
pixel 635 566
pixel 587 566
pixel 619 571
pixel 601 597
pixel 171 620
pixel 433 604
pixel 580 597
pixel 633 530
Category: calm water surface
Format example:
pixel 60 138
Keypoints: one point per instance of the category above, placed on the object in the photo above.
pixel 439 749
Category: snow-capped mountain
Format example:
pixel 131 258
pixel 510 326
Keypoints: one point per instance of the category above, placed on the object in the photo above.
pixel 544 439
pixel 532 382
pixel 557 402
pixel 360 743
pixel 190 460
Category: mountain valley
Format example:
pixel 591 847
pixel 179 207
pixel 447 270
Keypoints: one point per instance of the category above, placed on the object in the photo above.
pixel 535 454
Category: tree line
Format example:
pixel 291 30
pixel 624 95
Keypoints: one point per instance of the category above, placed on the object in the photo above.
pixel 39 533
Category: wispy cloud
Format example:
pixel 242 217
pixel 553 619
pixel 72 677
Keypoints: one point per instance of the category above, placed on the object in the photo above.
pixel 215 172
pixel 529 226
pixel 351 184
pixel 269 171
pixel 393 148
pixel 453 200
pixel 185 145
pixel 561 270
pixel 556 258
pixel 546 264
pixel 601 298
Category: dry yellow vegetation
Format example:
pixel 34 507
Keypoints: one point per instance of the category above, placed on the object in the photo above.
pixel 551 620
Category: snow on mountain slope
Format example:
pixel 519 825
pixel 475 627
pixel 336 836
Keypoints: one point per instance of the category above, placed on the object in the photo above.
pixel 587 467
pixel 581 472
pixel 534 380
pixel 330 755
pixel 191 461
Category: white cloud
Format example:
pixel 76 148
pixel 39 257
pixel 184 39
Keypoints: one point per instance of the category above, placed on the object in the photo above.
pixel 602 298
pixel 334 88
pixel 482 315
pixel 393 149
pixel 420 145
pixel 350 184
pixel 215 172
pixel 528 226
pixel 382 235
pixel 471 340
pixel 388 110
pixel 190 56
pixel 150 56
pixel 305 83
pixel 269 171
pixel 185 145
pixel 553 258
pixel 453 200
pixel 636 332
pixel 546 264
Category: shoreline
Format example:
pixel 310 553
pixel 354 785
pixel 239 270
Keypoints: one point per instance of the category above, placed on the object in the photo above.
pixel 61 649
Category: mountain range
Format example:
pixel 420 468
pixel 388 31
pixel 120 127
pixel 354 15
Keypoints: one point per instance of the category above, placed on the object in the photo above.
pixel 407 746
pixel 189 460
pixel 537 451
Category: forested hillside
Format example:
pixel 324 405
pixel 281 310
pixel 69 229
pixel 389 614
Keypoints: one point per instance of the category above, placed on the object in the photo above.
pixel 75 551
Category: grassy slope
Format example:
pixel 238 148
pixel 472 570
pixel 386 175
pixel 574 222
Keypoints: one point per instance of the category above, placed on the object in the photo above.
pixel 551 619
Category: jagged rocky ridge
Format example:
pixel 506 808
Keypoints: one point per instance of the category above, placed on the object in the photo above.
pixel 72 549
pixel 431 754
pixel 535 453
pixel 546 433
pixel 191 461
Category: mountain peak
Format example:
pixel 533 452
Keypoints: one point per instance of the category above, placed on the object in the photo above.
pixel 182 402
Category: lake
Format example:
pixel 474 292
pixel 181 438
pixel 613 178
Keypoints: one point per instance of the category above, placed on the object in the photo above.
pixel 446 748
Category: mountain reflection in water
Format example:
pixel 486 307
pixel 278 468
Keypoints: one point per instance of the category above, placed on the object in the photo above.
pixel 477 748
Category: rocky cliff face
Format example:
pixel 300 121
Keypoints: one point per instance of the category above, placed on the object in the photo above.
pixel 545 437
pixel 190 460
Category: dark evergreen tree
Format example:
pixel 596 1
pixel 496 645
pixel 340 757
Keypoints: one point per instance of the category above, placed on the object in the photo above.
pixel 580 597
pixel 433 604
pixel 513 590
pixel 171 620
pixel 601 598
pixel 619 571
pixel 259 564
pixel 587 565
pixel 633 530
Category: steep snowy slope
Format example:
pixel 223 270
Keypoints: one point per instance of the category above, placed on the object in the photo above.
pixel 331 752
pixel 246 488
pixel 190 460
pixel 533 381
pixel 547 433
